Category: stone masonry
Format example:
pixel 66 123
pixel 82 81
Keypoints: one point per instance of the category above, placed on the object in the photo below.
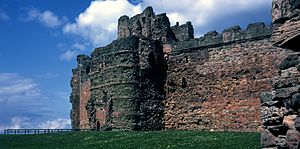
pixel 280 107
pixel 160 77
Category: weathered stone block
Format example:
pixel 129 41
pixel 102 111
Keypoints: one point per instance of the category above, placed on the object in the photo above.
pixel 267 139
pixel 292 72
pixel 281 141
pixel 289 121
pixel 290 61
pixel 271 115
pixel 297 123
pixel 266 98
pixel 293 139
pixel 284 82
pixel 285 93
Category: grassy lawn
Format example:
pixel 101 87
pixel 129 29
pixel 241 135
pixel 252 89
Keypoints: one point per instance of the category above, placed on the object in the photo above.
pixel 129 139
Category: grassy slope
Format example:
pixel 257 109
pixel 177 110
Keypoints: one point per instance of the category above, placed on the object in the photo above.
pixel 162 139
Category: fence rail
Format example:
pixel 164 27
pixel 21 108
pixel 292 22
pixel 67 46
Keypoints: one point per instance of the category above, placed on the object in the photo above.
pixel 41 131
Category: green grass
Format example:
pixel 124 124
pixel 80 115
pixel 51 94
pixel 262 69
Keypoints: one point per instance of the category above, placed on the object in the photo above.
pixel 130 139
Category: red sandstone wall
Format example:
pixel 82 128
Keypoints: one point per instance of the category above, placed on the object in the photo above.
pixel 85 95
pixel 219 88
pixel 101 116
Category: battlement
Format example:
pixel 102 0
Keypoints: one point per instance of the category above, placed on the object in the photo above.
pixel 232 34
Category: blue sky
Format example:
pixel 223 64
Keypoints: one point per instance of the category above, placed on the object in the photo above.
pixel 39 41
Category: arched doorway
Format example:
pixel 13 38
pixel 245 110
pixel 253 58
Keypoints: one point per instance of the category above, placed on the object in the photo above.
pixel 98 126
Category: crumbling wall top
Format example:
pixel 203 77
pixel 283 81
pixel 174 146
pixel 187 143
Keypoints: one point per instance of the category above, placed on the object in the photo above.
pixel 183 32
pixel 146 24
pixel 126 43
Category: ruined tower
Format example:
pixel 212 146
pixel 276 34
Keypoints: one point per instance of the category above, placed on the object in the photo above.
pixel 126 78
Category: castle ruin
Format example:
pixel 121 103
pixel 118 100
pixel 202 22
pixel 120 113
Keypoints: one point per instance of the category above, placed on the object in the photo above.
pixel 159 77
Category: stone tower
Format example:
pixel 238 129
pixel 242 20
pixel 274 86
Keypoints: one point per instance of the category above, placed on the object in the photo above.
pixel 125 79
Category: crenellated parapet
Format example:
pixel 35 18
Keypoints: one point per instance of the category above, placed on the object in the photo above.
pixel 232 34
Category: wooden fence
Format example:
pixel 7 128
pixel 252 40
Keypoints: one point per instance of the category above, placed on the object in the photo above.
pixel 41 131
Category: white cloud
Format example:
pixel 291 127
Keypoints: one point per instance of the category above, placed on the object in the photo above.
pixel 98 23
pixel 3 16
pixel 56 124
pixel 71 51
pixel 80 46
pixel 46 17
pixel 68 55
pixel 202 12
pixel 14 88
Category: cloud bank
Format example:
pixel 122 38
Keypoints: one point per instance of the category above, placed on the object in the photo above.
pixel 26 123
pixel 98 23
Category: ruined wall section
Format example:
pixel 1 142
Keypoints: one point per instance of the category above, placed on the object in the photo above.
pixel 80 84
pixel 152 76
pixel 75 99
pixel 280 110
pixel 280 107
pixel 183 32
pixel 218 87
pixel 85 95
pixel 147 24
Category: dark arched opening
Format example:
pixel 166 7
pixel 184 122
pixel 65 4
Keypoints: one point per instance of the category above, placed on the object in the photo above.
pixel 98 126
pixel 292 43
pixel 183 82
pixel 88 69
pixel 151 59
